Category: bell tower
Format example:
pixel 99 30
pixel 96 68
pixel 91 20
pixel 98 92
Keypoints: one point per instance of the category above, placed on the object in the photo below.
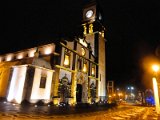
pixel 93 32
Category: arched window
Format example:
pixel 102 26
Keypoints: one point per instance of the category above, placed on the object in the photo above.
pixel 85 69
pixel 93 70
pixel 83 52
pixel 67 59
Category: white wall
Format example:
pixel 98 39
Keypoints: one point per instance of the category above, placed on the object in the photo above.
pixel 17 84
pixel 102 67
pixel 41 93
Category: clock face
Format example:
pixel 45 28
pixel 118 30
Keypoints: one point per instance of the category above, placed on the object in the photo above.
pixel 89 13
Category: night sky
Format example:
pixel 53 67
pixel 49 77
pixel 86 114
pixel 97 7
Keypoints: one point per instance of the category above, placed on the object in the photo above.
pixel 132 31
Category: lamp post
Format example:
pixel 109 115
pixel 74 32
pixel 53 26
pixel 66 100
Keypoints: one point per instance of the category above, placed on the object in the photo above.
pixel 131 88
pixel 155 88
pixel 117 92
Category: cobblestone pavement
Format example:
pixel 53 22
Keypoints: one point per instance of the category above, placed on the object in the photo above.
pixel 122 112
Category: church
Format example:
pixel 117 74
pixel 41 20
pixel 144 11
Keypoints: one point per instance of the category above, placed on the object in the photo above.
pixel 62 72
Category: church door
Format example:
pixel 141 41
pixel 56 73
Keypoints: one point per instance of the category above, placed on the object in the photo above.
pixel 79 93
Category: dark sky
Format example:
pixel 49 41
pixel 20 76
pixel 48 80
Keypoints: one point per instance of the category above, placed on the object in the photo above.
pixel 132 30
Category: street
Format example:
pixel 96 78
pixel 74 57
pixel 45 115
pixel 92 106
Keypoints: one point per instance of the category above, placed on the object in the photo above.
pixel 10 111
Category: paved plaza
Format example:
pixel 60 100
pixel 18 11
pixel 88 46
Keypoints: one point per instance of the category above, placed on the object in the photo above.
pixel 9 111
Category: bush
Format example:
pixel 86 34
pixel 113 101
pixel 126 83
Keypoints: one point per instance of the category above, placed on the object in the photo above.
pixel 25 102
pixel 40 103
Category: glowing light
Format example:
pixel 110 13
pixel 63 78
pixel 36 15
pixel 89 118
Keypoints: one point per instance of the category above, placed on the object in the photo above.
pixel 85 29
pixel 89 13
pixel 132 88
pixel 35 106
pixel 55 101
pixel 48 50
pixel 9 57
pixel 85 67
pixel 102 33
pixel 119 94
pixel 31 53
pixel 155 68
pixel 20 56
pixel 66 60
pixel 93 71
pixel 91 28
pixel 156 95
pixel 83 52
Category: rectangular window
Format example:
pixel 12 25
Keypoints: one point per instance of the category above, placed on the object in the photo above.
pixel 43 82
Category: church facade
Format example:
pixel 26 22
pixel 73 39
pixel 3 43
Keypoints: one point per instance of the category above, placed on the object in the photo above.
pixel 63 72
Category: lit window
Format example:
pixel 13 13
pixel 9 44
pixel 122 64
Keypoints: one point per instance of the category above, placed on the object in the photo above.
pixel 83 52
pixel 85 67
pixel 93 70
pixel 67 59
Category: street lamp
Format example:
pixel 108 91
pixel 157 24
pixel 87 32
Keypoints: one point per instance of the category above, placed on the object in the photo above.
pixel 155 68
pixel 130 94
pixel 131 88
pixel 155 87
pixel 117 92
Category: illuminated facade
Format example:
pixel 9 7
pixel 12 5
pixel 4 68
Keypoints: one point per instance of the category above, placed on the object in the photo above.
pixel 70 72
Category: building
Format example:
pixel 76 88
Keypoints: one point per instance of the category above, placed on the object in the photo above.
pixel 110 87
pixel 63 71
